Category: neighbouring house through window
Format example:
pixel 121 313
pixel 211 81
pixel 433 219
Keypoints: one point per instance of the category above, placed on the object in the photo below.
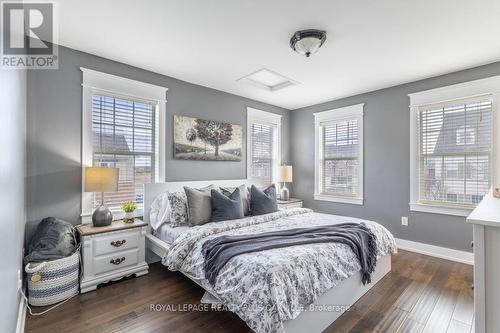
pixel 123 127
pixel 123 136
pixel 339 155
pixel 263 146
pixel 452 147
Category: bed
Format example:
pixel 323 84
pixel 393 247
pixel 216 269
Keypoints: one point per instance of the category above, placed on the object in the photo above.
pixel 275 290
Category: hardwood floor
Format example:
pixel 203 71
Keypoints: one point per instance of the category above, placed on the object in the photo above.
pixel 420 294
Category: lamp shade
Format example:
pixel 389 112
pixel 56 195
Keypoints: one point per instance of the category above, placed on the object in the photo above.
pixel 101 179
pixel 285 173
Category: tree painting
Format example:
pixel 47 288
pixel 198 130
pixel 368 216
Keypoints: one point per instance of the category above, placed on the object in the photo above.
pixel 200 139
pixel 213 132
pixel 191 136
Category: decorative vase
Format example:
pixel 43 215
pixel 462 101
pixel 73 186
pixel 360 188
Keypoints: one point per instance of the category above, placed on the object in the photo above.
pixel 102 217
pixel 284 194
pixel 129 217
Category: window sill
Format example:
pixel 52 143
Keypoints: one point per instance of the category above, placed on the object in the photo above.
pixel 324 197
pixel 427 208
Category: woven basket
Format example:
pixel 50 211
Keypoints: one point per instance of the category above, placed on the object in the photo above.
pixel 53 281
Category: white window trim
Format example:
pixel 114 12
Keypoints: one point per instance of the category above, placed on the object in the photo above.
pixel 99 82
pixel 472 89
pixel 255 115
pixel 348 112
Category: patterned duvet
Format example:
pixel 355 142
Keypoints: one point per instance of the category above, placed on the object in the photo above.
pixel 269 287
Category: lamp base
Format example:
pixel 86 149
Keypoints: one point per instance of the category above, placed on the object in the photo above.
pixel 284 193
pixel 102 217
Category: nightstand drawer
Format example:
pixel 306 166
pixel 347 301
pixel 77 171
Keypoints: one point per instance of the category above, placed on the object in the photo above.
pixel 116 242
pixel 115 261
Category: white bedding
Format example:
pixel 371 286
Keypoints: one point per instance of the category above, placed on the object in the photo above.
pixel 269 287
pixel 168 234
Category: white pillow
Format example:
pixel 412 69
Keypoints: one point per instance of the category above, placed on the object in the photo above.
pixel 160 211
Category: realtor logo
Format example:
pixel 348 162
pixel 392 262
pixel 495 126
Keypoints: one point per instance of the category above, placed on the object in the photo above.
pixel 29 35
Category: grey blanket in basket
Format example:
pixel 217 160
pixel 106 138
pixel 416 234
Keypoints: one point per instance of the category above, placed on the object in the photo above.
pixel 53 239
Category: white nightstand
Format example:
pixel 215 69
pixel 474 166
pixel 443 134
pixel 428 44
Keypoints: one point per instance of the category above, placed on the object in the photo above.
pixel 292 203
pixel 112 252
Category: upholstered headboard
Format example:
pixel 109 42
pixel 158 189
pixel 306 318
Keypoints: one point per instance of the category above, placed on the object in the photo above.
pixel 151 191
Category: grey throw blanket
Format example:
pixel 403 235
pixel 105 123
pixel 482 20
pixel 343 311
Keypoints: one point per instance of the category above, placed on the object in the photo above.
pixel 358 237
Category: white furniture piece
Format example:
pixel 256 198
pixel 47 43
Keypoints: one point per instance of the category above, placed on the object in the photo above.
pixel 346 293
pixel 291 203
pixel 486 225
pixel 112 252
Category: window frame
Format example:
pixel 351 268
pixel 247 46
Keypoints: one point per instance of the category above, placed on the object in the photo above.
pixel 335 115
pixel 95 82
pixel 477 89
pixel 268 118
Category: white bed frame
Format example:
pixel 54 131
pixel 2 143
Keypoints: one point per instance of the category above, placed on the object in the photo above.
pixel 327 308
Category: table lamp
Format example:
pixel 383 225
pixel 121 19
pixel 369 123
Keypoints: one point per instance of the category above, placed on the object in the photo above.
pixel 98 179
pixel 285 176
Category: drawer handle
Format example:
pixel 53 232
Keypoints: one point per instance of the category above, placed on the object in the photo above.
pixel 118 243
pixel 117 261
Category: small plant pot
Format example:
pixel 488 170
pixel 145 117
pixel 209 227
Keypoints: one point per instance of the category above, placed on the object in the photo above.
pixel 129 217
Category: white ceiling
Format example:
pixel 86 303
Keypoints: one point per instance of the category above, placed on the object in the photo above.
pixel 370 44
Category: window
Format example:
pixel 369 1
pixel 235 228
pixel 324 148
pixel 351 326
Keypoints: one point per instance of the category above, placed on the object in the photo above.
pixel 454 151
pixel 263 146
pixel 123 127
pixel 123 136
pixel 452 147
pixel 339 155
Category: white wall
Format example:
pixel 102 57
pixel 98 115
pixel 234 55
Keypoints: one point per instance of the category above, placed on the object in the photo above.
pixel 12 191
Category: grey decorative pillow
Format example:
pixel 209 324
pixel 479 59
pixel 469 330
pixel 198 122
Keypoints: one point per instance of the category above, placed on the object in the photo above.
pixel 245 197
pixel 263 202
pixel 178 209
pixel 226 207
pixel 199 205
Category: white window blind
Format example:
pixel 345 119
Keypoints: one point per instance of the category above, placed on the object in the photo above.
pixel 124 136
pixel 339 162
pixel 264 152
pixel 455 145
pixel 338 174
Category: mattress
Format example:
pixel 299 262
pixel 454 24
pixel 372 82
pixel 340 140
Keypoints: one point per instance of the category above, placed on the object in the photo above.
pixel 168 234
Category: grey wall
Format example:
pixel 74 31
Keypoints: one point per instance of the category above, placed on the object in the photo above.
pixel 54 131
pixel 12 181
pixel 386 162
pixel 54 145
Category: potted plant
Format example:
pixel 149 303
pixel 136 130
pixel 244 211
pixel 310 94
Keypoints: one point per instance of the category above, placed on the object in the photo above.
pixel 128 208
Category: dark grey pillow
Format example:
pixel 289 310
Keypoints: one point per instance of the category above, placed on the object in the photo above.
pixel 263 202
pixel 245 196
pixel 226 207
pixel 199 205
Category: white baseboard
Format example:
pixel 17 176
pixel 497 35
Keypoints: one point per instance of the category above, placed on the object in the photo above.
pixel 21 315
pixel 436 251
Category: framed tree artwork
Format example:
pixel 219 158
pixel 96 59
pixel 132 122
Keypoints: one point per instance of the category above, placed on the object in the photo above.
pixel 206 140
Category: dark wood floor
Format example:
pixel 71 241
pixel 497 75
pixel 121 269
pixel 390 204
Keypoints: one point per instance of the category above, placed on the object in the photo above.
pixel 420 294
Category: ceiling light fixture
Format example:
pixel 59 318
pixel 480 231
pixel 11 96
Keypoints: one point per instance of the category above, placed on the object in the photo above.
pixel 307 42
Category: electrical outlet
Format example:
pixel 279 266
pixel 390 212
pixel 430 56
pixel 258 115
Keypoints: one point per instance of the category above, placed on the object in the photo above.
pixel 404 220
pixel 19 280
